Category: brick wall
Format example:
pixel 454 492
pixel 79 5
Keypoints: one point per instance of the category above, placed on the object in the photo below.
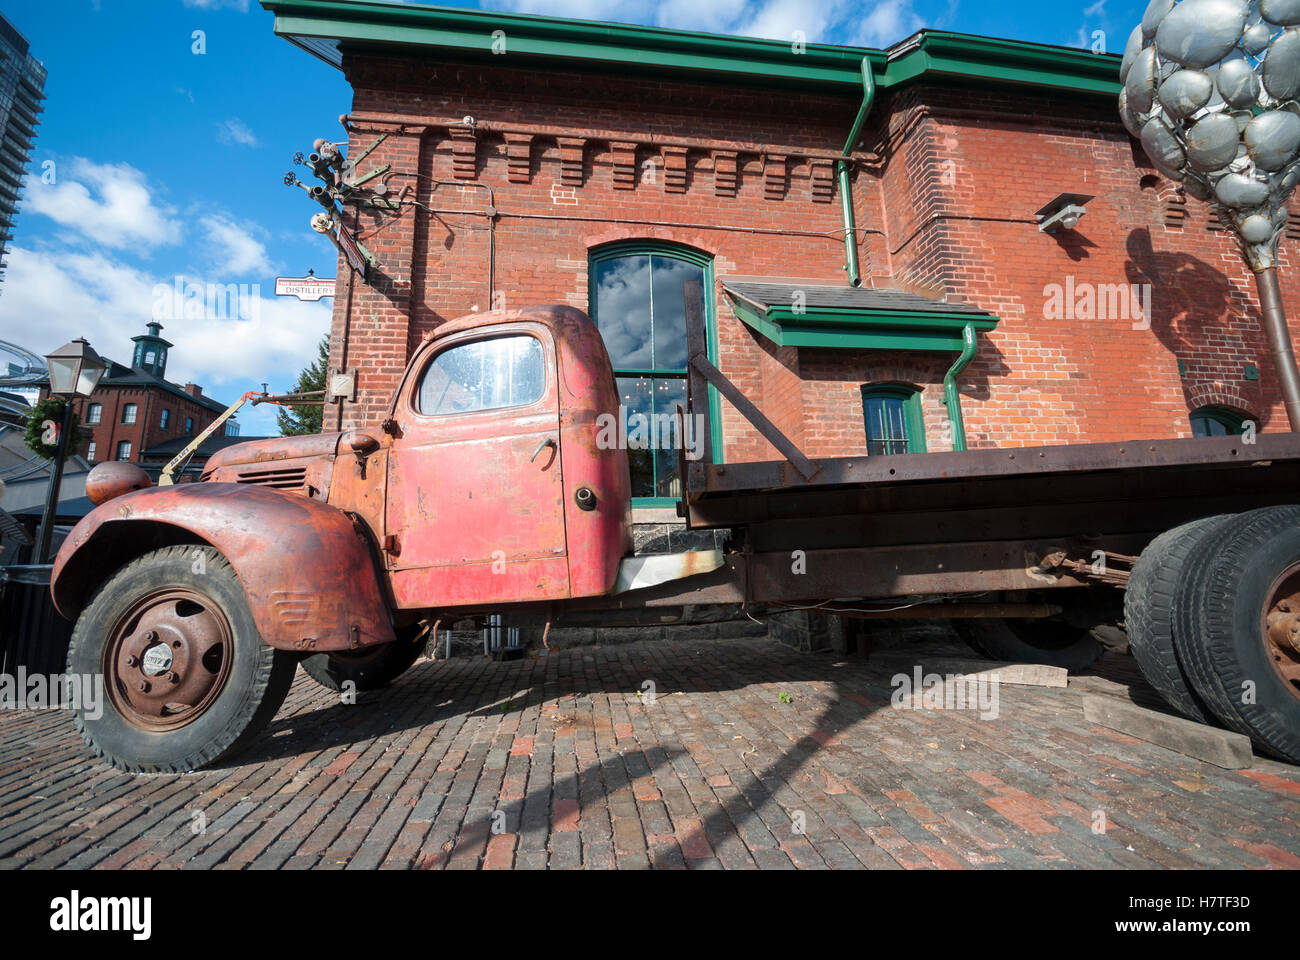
pixel 945 189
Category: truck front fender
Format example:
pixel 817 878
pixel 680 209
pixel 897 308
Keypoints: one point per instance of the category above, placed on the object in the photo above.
pixel 307 570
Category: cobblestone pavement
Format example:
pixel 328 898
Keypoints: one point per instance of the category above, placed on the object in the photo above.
pixel 555 761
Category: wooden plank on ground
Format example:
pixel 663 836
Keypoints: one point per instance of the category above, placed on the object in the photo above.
pixel 1223 748
pixel 1025 674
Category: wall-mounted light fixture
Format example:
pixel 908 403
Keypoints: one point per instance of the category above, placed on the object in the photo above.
pixel 1063 213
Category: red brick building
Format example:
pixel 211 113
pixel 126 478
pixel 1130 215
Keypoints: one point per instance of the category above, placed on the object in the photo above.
pixel 605 164
pixel 136 408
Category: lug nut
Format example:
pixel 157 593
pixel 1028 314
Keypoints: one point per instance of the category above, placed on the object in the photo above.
pixel 150 636
pixel 143 686
pixel 173 677
pixel 131 661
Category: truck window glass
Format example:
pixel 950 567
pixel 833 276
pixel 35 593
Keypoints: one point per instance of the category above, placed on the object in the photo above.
pixel 483 375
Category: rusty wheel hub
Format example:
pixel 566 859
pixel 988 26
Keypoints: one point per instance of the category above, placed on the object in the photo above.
pixel 168 659
pixel 1282 627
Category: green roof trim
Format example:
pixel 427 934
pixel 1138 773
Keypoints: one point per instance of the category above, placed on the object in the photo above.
pixel 863 329
pixel 322 26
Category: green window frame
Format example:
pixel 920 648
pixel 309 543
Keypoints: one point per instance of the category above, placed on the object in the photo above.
pixel 637 363
pixel 1216 422
pixel 892 418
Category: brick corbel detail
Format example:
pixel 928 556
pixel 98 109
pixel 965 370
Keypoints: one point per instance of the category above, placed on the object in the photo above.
pixel 571 156
pixel 823 181
pixel 624 154
pixel 725 173
pixel 464 153
pixel 774 177
pixel 674 169
pixel 519 157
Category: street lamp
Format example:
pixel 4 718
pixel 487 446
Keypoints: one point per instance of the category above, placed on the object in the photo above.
pixel 75 369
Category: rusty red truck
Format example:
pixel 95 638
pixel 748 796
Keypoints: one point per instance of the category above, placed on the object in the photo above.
pixel 487 489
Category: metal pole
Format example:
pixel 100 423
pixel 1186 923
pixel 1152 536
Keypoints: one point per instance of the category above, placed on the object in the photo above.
pixel 1279 343
pixel 52 496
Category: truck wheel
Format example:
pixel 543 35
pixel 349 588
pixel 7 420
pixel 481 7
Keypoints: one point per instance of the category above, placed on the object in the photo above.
pixel 187 679
pixel 369 669
pixel 1050 641
pixel 1149 612
pixel 1243 653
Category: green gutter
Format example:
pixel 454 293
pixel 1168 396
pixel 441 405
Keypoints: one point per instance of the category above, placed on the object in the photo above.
pixel 320 26
pixel 951 398
pixel 842 167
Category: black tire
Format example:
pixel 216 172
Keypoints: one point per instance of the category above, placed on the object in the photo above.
pixel 370 669
pixel 1049 641
pixel 1223 648
pixel 1149 603
pixel 253 684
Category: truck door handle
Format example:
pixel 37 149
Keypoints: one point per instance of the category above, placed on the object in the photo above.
pixel 548 442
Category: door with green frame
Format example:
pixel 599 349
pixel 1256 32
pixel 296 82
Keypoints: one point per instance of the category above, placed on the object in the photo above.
pixel 638 303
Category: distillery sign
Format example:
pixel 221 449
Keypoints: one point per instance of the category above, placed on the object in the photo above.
pixel 304 288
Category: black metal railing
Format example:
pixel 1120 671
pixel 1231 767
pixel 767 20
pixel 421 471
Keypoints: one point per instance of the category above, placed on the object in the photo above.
pixel 33 635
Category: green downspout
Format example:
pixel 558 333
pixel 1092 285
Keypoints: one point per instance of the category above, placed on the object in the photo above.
pixel 842 170
pixel 951 399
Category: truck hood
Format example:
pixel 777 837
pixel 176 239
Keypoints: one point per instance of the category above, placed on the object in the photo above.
pixel 270 451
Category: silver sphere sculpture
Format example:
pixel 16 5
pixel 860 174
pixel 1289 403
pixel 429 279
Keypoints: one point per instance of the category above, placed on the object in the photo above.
pixel 1210 87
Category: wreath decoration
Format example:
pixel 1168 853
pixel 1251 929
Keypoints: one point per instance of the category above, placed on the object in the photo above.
pixel 50 410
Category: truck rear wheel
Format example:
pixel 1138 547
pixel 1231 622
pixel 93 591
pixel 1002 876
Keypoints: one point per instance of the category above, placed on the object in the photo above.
pixel 187 679
pixel 1052 641
pixel 1149 612
pixel 369 669
pixel 1242 648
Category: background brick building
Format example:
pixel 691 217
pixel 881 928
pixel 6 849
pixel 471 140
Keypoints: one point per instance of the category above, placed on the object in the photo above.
pixel 136 410
pixel 603 159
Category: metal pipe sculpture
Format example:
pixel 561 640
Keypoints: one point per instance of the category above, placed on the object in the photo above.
pixel 1210 88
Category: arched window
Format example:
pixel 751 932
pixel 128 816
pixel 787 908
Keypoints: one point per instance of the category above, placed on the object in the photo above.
pixel 638 303
pixel 1216 422
pixel 893 418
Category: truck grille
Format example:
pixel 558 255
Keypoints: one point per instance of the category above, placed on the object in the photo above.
pixel 289 479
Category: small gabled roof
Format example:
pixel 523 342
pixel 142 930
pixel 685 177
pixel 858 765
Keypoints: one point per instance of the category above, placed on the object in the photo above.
pixel 864 318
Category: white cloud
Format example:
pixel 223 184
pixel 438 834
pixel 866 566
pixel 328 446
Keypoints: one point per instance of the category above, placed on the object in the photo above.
pixel 236 131
pixel 779 19
pixel 51 297
pixel 232 249
pixel 887 23
pixel 820 21
pixel 111 204
pixel 240 5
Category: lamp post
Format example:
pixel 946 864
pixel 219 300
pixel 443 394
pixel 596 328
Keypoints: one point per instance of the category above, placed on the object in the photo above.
pixel 75 369
pixel 1210 87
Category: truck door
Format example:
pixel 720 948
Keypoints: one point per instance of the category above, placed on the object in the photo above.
pixel 475 504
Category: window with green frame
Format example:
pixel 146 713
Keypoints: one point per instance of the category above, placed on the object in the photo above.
pixel 893 419
pixel 638 304
pixel 1216 422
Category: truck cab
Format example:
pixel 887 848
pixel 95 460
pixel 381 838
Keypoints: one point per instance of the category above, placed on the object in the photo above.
pixel 485 482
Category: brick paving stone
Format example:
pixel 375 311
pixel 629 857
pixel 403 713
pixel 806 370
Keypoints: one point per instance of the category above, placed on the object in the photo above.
pixel 553 762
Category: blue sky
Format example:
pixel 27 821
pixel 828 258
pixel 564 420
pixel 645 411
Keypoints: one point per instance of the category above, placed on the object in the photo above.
pixel 167 163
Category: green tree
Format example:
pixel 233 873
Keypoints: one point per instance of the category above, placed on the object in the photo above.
pixel 296 421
